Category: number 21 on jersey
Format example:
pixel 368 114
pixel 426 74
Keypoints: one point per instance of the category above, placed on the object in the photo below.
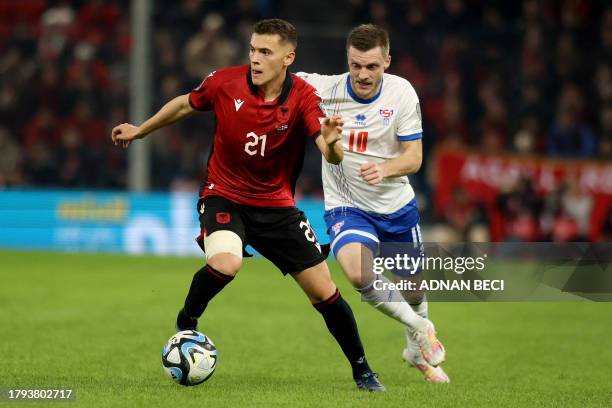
pixel 254 144
pixel 358 141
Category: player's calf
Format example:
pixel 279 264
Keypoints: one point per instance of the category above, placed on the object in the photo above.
pixel 340 321
pixel 206 283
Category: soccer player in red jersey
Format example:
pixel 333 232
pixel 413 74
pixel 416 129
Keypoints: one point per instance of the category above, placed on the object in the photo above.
pixel 264 116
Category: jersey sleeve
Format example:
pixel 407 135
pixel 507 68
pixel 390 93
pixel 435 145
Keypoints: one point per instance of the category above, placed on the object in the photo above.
pixel 312 111
pixel 409 125
pixel 203 97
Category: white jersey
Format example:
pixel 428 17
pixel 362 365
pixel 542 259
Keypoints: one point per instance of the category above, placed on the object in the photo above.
pixel 373 130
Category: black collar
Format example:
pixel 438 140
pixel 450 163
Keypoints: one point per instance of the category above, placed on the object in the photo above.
pixel 287 84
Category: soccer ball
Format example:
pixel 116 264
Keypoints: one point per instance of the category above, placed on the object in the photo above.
pixel 189 357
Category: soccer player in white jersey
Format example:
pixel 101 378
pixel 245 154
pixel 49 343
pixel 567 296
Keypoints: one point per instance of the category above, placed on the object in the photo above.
pixel 368 198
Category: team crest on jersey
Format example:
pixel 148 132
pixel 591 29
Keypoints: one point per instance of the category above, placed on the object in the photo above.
pixel 282 114
pixel 386 115
pixel 360 120
pixel 223 217
pixel 337 227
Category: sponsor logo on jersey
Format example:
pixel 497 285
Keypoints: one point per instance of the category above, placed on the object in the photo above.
pixel 337 227
pixel 360 120
pixel 238 104
pixel 386 115
pixel 282 128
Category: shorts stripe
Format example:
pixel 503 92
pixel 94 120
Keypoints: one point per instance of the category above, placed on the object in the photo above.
pixel 355 232
pixel 418 227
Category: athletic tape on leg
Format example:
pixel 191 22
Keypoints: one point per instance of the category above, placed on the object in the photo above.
pixel 223 242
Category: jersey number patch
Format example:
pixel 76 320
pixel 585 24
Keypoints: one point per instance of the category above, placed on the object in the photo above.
pixel 255 144
pixel 310 234
pixel 360 144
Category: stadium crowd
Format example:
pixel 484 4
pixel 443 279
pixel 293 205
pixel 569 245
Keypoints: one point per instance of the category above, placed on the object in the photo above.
pixel 530 77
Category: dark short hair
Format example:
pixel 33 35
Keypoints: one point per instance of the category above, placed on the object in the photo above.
pixel 368 36
pixel 284 29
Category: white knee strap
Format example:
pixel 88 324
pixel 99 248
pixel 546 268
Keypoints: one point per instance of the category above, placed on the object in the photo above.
pixel 222 241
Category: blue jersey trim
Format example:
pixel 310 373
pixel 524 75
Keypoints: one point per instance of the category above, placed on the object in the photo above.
pixel 357 98
pixel 408 138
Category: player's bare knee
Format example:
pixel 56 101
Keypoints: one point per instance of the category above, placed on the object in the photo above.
pixel 226 263
pixel 322 293
pixel 356 278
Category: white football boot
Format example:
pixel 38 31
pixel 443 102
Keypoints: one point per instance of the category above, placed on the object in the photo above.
pixel 413 356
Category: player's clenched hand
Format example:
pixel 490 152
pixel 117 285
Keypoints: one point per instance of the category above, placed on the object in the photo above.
pixel 124 134
pixel 371 173
pixel 331 129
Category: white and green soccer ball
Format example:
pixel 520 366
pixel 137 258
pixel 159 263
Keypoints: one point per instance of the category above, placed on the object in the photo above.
pixel 189 357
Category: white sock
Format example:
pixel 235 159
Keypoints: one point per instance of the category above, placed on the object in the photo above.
pixel 391 303
pixel 422 309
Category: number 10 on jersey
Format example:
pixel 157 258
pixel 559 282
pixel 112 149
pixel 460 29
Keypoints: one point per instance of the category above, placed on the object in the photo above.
pixel 359 143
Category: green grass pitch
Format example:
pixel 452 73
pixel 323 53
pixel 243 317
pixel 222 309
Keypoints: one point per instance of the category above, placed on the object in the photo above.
pixel 97 323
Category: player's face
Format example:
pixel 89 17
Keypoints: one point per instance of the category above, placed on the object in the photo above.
pixel 367 69
pixel 269 57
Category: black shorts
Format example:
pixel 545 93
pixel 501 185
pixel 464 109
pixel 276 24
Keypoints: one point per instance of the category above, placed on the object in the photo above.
pixel 282 235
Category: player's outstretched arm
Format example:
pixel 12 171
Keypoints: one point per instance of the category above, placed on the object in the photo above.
pixel 173 111
pixel 408 162
pixel 329 141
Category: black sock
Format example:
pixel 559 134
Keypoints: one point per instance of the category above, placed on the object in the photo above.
pixel 341 324
pixel 206 283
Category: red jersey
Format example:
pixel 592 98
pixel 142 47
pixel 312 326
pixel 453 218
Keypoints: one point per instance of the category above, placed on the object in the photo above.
pixel 258 147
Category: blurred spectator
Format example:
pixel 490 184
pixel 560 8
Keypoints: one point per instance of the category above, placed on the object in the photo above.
pixel 526 139
pixel 209 49
pixel 42 127
pixel 602 83
pixel 568 61
pixel 605 132
pixel 534 76
pixel 53 39
pixel 93 130
pixel 520 207
pixel 49 86
pixel 464 215
pixel 10 165
pixel 577 205
pixel 605 49
pixel 40 164
pixel 607 227
pixel 565 228
pixel 569 134
pixel 73 160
